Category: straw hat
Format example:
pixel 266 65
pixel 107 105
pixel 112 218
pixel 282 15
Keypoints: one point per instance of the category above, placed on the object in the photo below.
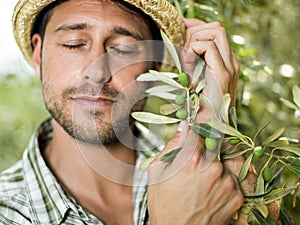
pixel 161 11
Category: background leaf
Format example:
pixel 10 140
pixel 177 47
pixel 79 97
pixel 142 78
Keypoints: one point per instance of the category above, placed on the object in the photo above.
pixel 296 95
pixel 274 136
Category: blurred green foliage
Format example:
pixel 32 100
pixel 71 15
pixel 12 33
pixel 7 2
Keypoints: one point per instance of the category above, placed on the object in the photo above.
pixel 21 110
pixel 265 37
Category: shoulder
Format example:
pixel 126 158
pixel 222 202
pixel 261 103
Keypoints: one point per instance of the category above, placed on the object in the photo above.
pixel 13 200
pixel 11 180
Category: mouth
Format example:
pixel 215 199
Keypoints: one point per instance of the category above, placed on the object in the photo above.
pixel 93 101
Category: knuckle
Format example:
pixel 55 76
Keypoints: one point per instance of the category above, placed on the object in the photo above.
pixel 217 24
pixel 227 77
pixel 217 169
pixel 221 31
pixel 239 199
pixel 211 44
pixel 228 182
pixel 194 159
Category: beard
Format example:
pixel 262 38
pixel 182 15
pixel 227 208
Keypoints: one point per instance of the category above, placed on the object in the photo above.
pixel 93 125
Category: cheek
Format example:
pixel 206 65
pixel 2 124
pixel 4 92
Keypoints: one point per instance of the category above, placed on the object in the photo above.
pixel 60 70
pixel 125 79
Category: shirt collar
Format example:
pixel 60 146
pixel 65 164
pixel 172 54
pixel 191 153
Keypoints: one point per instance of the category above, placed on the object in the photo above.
pixel 48 202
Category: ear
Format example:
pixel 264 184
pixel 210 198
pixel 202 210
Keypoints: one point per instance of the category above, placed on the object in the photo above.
pixel 36 56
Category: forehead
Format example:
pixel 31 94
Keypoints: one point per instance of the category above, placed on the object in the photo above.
pixel 98 9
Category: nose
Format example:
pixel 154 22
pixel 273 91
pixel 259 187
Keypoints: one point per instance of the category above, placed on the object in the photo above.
pixel 98 70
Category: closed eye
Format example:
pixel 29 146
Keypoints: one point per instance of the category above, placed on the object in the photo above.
pixel 123 52
pixel 73 46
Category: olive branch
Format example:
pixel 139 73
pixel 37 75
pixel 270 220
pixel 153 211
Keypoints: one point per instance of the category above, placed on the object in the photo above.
pixel 275 154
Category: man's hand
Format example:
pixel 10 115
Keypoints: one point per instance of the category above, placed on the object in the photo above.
pixel 195 188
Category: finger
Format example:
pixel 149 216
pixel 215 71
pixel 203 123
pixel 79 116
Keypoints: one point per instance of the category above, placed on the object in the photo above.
pixel 191 152
pixel 217 77
pixel 197 25
pixel 190 22
pixel 219 37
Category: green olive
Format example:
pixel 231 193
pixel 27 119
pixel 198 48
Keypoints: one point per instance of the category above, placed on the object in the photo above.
pixel 180 99
pixel 210 143
pixel 267 174
pixel 234 141
pixel 290 158
pixel 258 152
pixel 183 79
pixel 181 113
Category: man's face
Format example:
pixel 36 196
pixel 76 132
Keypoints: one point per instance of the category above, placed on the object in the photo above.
pixel 91 55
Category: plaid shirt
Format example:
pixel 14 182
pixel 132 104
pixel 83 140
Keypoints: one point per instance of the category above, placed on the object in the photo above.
pixel 30 194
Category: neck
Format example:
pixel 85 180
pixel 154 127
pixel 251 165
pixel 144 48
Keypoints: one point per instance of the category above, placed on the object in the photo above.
pixel 87 170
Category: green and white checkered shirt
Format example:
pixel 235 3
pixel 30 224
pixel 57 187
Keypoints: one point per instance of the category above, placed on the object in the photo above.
pixel 30 194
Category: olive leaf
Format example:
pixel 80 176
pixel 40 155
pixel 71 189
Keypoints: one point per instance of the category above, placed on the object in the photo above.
pixel 296 95
pixel 164 95
pixel 166 79
pixel 150 77
pixel 233 116
pixel 294 169
pixel 225 128
pixel 170 74
pixel 260 219
pixel 260 130
pixel 292 149
pixel 285 220
pixel 244 170
pixel 275 180
pixel 147 117
pixel 145 164
pixel 205 130
pixel 228 155
pixel 199 71
pixel 172 50
pixel 224 107
pixel 260 187
pixel 278 143
pixel 196 106
pixel 161 88
pixel 273 137
pixel 262 208
pixel 200 86
pixel 170 156
pixel 147 77
pixel 278 193
pixel 167 109
pixel 288 104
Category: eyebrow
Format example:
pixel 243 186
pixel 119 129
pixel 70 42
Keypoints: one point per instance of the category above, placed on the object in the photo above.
pixel 77 26
pixel 83 26
pixel 124 31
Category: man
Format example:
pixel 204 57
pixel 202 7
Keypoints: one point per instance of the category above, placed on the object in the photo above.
pixel 76 170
